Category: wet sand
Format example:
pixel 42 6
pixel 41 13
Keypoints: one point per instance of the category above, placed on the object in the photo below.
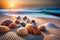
pixel 50 34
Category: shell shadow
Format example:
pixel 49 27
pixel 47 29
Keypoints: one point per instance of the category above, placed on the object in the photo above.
pixel 32 37
pixel 2 34
pixel 46 32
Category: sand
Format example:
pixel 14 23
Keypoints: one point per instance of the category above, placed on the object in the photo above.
pixel 50 34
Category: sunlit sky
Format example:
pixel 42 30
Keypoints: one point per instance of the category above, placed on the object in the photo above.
pixel 25 3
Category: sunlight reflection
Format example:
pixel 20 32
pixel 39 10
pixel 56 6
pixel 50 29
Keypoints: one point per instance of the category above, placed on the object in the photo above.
pixel 13 17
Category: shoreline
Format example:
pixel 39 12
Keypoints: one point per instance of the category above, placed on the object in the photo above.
pixel 36 16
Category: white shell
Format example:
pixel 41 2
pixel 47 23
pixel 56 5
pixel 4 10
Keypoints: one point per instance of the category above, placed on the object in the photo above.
pixel 22 31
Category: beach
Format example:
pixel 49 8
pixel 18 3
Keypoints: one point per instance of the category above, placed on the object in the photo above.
pixel 50 34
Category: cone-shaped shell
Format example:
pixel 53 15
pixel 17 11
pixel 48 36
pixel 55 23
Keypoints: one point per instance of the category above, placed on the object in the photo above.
pixel 4 29
pixel 32 30
pixel 6 22
pixel 13 25
pixel 22 31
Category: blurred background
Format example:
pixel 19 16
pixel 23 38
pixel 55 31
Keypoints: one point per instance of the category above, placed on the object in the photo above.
pixel 47 8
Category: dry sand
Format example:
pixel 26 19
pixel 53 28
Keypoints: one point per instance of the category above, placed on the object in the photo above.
pixel 50 34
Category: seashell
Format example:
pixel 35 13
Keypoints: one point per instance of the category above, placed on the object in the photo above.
pixel 4 29
pixel 22 31
pixel 6 22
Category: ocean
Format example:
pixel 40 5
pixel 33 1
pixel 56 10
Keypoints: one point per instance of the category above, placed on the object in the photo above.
pixel 31 13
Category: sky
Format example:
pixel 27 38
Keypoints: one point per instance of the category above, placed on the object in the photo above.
pixel 28 3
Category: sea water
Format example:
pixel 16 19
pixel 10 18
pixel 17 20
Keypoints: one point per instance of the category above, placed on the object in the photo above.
pixel 31 13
